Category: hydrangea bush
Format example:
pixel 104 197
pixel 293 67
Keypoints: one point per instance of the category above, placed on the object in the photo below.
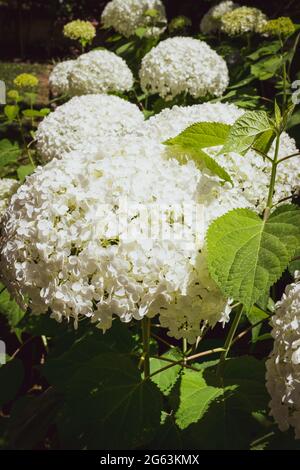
pixel 183 65
pixel 126 17
pixel 98 71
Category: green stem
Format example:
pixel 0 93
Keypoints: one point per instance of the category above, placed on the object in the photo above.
pixel 24 142
pixel 284 86
pixel 146 326
pixel 229 338
pixel 288 157
pixel 273 178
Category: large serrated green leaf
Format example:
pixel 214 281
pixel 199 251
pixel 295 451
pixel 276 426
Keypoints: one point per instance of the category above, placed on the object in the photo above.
pixel 190 143
pixel 107 402
pixel 166 379
pixel 245 131
pixel 195 398
pixel 247 255
pixel 201 135
pixel 229 420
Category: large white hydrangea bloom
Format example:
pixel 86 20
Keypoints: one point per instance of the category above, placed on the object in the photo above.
pixel 83 122
pixel 59 77
pixel 250 172
pixel 98 71
pixel 211 20
pixel 283 366
pixel 71 241
pixel 183 65
pixel 243 20
pixel 7 187
pixel 125 16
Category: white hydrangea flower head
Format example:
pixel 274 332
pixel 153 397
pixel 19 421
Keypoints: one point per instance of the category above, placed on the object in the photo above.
pixel 59 77
pixel 243 20
pixel 99 71
pixel 283 365
pixel 183 65
pixel 8 187
pixel 71 241
pixel 250 172
pixel 211 21
pixel 84 121
pixel 125 16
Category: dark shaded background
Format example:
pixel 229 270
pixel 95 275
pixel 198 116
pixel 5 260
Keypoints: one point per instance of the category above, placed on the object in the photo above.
pixel 32 29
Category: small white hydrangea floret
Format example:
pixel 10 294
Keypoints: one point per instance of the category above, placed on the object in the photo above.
pixel 59 77
pixel 126 16
pixel 183 65
pixel 72 243
pixel 283 365
pixel 99 71
pixel 84 121
pixel 8 187
pixel 251 172
pixel 211 20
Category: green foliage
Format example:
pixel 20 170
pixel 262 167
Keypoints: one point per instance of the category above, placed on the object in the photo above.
pixel 11 377
pixel 246 254
pixel 25 170
pixel 247 131
pixel 192 140
pixel 166 379
pixel 9 152
pixel 195 397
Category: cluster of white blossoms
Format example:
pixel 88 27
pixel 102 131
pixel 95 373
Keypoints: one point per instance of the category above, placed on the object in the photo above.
pixel 211 21
pixel 283 365
pixel 183 65
pixel 59 77
pixel 125 16
pixel 83 122
pixel 251 172
pixel 7 188
pixel 243 20
pixel 98 71
pixel 72 241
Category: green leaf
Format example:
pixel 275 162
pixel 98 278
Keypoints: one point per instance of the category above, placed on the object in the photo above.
pixel 247 255
pixel 268 49
pixel 125 47
pixel 229 420
pixel 201 135
pixel 245 131
pixel 32 113
pixel 25 170
pixel 255 315
pixel 266 68
pixel 278 116
pixel 190 142
pixel 10 309
pixel 195 397
pixel 140 32
pixel 11 377
pixel 96 374
pixel 9 152
pixel 11 111
pixel 166 380
pixel 264 141
pixel 151 12
pixel 32 417
pixel 295 263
